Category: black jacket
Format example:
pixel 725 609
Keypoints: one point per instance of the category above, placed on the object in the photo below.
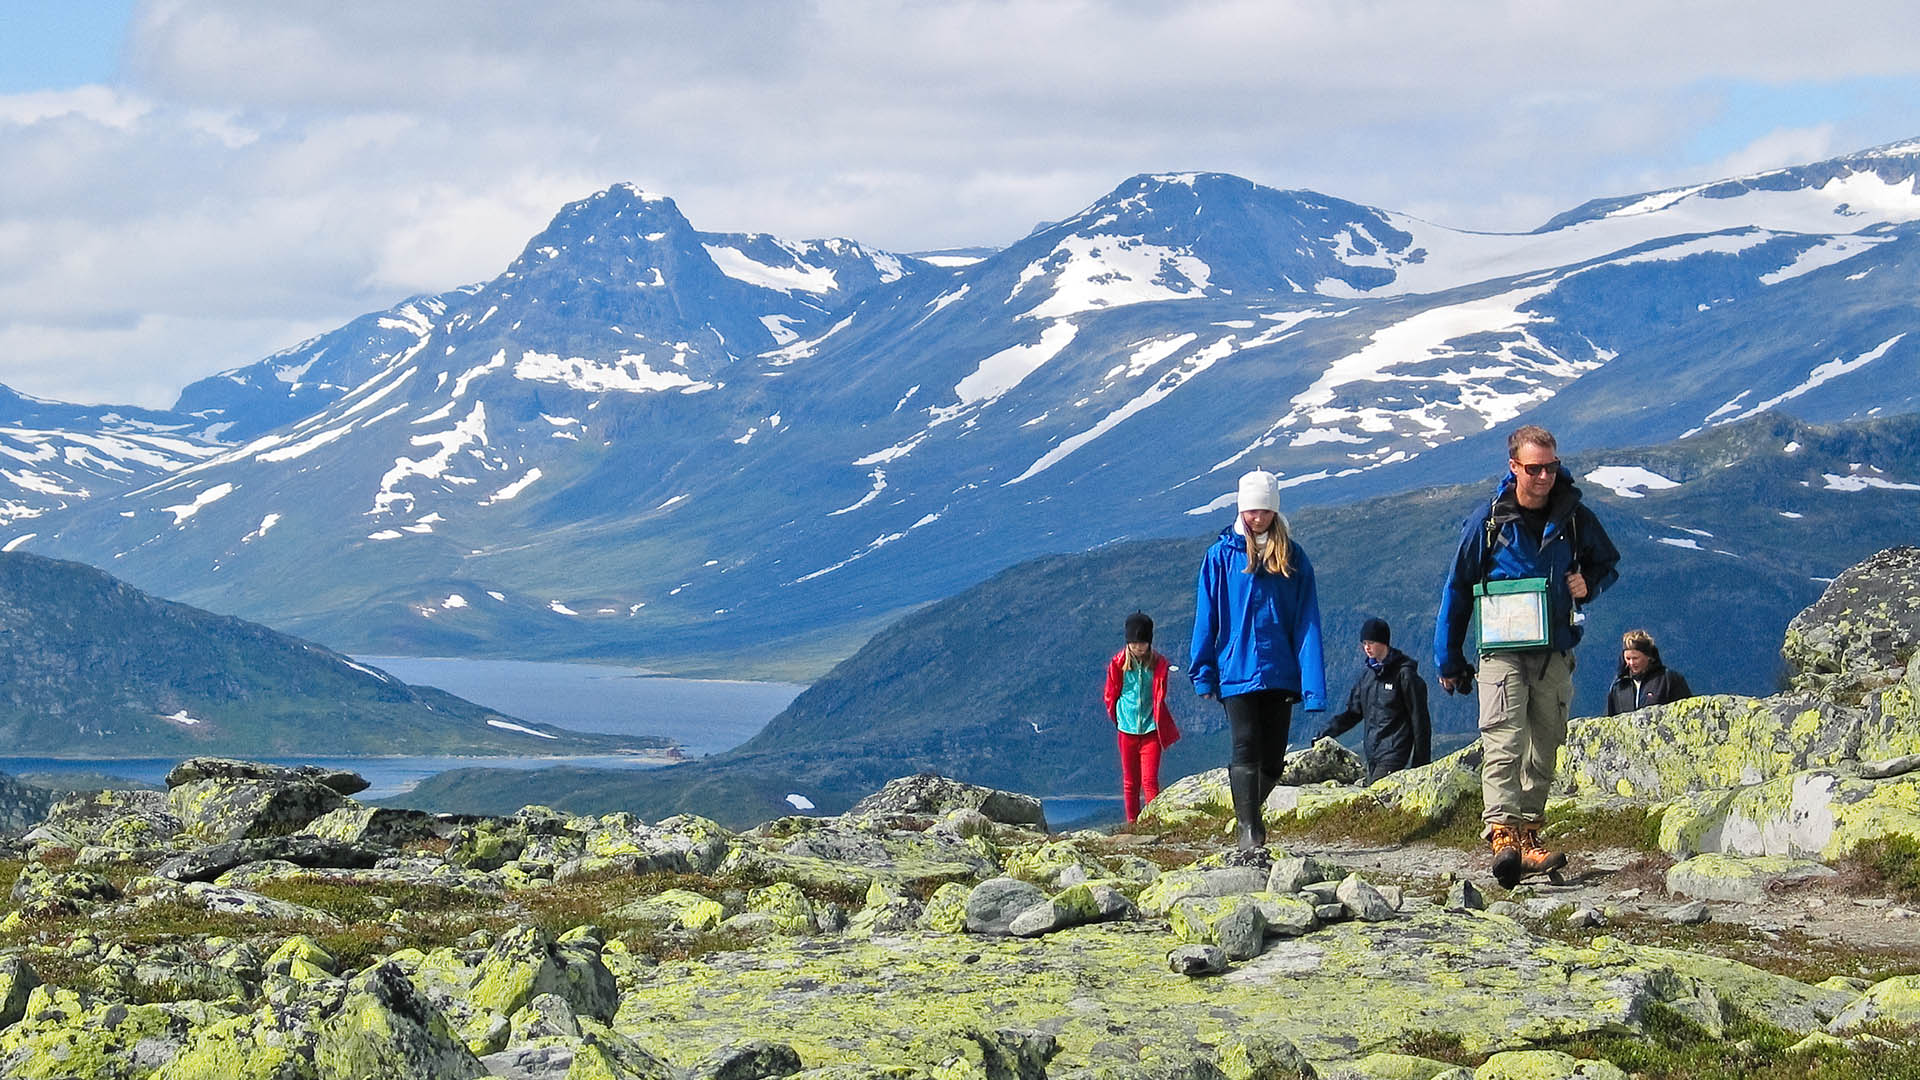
pixel 1659 686
pixel 1393 703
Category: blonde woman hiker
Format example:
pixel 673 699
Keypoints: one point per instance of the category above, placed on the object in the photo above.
pixel 1136 698
pixel 1256 644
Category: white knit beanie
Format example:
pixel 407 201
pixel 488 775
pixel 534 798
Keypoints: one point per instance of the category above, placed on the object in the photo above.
pixel 1259 490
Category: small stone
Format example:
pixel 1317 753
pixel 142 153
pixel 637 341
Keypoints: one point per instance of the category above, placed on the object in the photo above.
pixel 1901 913
pixel 1042 918
pixel 757 1060
pixel 1363 900
pixel 1627 894
pixel 1690 913
pixel 1194 960
pixel 1322 892
pixel 1290 875
pixel 1507 909
pixel 1334 912
pixel 1396 897
pixel 1463 896
pixel 1584 918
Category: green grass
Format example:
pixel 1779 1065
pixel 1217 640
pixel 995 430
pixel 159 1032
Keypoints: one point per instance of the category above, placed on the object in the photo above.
pixel 1594 829
pixel 1676 1048
pixel 1370 823
pixel 1788 952
pixel 1893 860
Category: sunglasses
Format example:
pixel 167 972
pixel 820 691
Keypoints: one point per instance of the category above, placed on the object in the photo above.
pixel 1545 468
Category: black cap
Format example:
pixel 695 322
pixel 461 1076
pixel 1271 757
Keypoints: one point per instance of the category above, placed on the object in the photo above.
pixel 1139 628
pixel 1376 630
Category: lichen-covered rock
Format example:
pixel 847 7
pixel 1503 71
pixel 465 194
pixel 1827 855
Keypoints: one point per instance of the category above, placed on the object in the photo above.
pixel 1362 900
pixel 1374 985
pixel 1287 916
pixel 1235 923
pixel 122 820
pixel 1325 760
pixel 1895 1000
pixel 374 825
pixel 937 796
pixel 1707 742
pixel 1385 1066
pixel 1867 620
pixel 786 905
pixel 1293 873
pixel 1044 864
pixel 527 962
pixel 301 959
pixel 41 889
pixel 1750 992
pixel 384 1027
pixel 1545 1065
pixel 1170 888
pixel 486 845
pixel 758 1059
pixel 208 863
pixel 214 810
pixel 17 980
pixel 946 910
pixel 1196 960
pixel 1432 791
pixel 674 907
pixel 1740 880
pixel 1255 1056
pixel 993 904
pixel 1817 814
pixel 197 769
pixel 65 1034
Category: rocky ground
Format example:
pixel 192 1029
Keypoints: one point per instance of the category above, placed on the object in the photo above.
pixel 1740 905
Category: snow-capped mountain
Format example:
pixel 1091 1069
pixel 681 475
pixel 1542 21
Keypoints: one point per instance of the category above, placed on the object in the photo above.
pixel 648 441
pixel 55 456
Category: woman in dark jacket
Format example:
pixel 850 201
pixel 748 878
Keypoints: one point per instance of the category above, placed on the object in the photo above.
pixel 1643 680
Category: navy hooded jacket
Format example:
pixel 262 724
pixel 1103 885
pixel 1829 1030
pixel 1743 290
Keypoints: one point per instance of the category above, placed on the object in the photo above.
pixel 1256 631
pixel 1517 555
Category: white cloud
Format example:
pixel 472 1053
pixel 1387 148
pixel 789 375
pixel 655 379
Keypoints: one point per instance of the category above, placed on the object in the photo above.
pixel 307 162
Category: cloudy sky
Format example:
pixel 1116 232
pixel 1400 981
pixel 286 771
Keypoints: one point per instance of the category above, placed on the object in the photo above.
pixel 188 185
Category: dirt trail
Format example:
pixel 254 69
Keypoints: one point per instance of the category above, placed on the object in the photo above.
pixel 1845 910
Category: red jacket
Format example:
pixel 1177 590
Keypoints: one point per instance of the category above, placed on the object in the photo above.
pixel 1162 716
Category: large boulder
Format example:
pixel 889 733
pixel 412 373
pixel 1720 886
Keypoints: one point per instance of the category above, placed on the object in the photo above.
pixel 207 863
pixel 1865 626
pixel 122 820
pixel 217 809
pixel 194 770
pixel 935 796
pixel 1819 814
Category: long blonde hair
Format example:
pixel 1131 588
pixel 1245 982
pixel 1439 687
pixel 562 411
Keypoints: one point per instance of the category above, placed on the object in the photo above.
pixel 1278 558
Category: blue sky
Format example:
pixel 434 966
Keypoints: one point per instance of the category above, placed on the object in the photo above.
pixel 60 44
pixel 193 184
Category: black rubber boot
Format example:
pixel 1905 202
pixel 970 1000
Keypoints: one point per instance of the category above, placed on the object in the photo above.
pixel 1244 781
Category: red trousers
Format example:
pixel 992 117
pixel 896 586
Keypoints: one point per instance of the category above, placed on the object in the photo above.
pixel 1139 770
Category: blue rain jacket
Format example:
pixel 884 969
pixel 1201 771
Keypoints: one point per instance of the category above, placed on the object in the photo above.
pixel 1516 555
pixel 1256 631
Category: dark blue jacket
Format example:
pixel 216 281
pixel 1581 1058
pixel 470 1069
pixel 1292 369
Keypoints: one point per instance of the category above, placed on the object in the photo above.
pixel 1517 555
pixel 1256 631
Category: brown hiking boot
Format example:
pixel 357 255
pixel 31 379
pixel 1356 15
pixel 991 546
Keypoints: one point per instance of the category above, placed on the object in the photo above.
pixel 1507 855
pixel 1534 858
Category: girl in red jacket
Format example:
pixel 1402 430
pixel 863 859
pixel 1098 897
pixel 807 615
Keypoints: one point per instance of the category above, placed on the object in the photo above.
pixel 1137 705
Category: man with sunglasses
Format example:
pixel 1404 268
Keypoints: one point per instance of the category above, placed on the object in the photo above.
pixel 1527 562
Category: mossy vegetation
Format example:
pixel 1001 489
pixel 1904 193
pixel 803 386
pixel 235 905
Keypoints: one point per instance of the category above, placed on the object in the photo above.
pixel 1578 828
pixel 1894 861
pixel 1370 823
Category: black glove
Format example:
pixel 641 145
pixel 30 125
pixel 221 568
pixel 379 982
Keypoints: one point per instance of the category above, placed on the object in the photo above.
pixel 1463 684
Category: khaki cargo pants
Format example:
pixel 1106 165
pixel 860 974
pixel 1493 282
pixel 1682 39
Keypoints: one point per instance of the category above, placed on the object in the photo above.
pixel 1525 696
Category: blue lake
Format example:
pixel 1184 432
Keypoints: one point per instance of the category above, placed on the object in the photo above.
pixel 703 716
